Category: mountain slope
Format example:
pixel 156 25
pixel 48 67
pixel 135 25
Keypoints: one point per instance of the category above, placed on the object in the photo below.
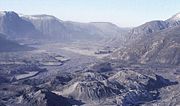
pixel 108 28
pixel 149 27
pixel 48 25
pixel 162 47
pixel 14 26
pixel 153 42
pixel 155 26
pixel 52 27
pixel 174 20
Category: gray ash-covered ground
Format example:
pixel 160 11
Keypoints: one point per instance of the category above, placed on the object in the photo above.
pixel 83 80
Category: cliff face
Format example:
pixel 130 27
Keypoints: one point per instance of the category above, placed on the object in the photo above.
pixel 16 27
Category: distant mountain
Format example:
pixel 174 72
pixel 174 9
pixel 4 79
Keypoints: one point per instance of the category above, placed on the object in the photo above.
pixel 149 27
pixel 85 31
pixel 174 20
pixel 49 26
pixel 8 45
pixel 108 28
pixel 154 26
pixel 138 32
pixel 162 47
pixel 52 27
pixel 15 27
pixel 153 42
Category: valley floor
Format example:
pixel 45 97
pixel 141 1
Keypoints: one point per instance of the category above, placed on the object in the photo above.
pixel 33 77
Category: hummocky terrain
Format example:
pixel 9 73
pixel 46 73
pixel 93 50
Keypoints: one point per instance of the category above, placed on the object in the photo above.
pixel 45 61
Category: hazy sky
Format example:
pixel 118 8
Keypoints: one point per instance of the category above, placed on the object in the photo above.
pixel 124 13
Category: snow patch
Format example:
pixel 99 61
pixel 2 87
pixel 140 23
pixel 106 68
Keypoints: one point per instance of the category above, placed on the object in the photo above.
pixel 176 17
